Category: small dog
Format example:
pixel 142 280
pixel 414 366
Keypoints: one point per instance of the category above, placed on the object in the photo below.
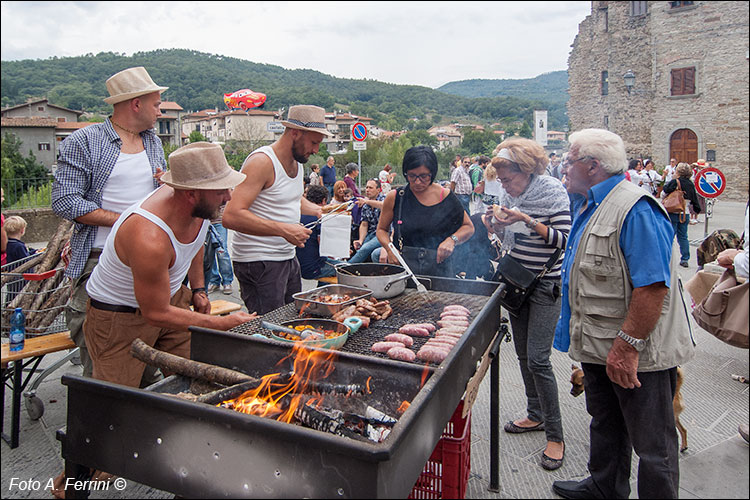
pixel 576 381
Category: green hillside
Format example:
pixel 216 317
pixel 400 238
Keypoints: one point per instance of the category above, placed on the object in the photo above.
pixel 197 81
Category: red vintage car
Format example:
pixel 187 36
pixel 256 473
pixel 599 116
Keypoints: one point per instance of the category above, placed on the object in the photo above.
pixel 244 99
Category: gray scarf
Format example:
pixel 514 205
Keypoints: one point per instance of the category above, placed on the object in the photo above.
pixel 544 196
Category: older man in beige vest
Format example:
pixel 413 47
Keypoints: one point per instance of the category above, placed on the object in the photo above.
pixel 624 318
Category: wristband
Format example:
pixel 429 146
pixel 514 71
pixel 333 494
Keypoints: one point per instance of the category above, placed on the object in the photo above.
pixel 199 290
pixel 532 223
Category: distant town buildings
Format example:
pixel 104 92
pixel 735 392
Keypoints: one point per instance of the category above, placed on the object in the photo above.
pixel 671 78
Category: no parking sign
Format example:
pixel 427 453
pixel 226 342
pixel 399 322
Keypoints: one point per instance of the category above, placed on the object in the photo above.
pixel 710 182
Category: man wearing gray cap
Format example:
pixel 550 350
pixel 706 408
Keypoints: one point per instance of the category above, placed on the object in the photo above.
pixel 265 213
pixel 101 170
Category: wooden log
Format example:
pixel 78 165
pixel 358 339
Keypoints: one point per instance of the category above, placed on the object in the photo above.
pixel 187 367
pixel 50 309
pixel 45 292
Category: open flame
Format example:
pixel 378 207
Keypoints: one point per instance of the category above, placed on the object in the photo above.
pixel 278 397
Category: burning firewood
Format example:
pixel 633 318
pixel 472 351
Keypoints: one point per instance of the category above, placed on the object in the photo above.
pixel 187 367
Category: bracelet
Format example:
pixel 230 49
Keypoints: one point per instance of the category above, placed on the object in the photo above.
pixel 199 290
pixel 532 223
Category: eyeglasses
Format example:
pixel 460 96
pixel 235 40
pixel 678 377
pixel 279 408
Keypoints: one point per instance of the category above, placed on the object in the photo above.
pixel 570 163
pixel 420 177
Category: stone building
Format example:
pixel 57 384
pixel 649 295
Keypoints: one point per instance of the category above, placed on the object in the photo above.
pixel 686 93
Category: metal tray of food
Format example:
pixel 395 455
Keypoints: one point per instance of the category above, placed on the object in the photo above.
pixel 328 300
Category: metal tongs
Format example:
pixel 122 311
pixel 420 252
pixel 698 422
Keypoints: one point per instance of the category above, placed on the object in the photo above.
pixel 336 210
pixel 420 286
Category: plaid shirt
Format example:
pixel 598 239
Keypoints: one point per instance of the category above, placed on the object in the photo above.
pixel 463 182
pixel 372 215
pixel 84 163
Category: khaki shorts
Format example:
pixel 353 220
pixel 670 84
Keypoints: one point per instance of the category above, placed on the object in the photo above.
pixel 110 334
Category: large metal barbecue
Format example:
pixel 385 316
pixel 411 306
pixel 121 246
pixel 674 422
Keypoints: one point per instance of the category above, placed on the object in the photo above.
pixel 197 450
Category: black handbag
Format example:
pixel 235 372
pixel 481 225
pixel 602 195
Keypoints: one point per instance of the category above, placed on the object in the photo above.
pixel 517 283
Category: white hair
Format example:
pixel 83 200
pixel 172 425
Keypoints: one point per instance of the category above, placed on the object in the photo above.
pixel 603 145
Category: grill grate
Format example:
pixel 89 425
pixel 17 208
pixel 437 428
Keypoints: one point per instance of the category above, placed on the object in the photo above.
pixel 409 307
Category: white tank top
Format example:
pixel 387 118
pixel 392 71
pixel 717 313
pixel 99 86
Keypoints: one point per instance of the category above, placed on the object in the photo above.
pixel 280 202
pixel 131 179
pixel 112 281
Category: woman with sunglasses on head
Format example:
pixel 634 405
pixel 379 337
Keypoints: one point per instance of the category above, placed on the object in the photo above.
pixel 425 215
pixel 533 222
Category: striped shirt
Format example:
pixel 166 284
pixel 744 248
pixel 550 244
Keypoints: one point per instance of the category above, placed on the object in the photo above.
pixel 533 252
pixel 84 163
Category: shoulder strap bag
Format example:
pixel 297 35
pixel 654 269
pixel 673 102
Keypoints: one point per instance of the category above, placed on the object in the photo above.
pixel 517 283
pixel 724 311
pixel 674 202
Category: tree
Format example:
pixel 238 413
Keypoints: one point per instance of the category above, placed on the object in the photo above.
pixel 526 131
pixel 19 173
pixel 196 136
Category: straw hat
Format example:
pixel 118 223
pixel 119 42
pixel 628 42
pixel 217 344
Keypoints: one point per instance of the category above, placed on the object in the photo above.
pixel 307 118
pixel 201 165
pixel 130 83
pixel 700 163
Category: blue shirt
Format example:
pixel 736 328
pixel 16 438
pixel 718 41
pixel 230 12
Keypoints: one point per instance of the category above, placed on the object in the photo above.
pixel 84 163
pixel 328 174
pixel 645 241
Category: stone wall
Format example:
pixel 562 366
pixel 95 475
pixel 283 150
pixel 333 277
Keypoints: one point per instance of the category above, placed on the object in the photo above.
pixel 41 223
pixel 711 36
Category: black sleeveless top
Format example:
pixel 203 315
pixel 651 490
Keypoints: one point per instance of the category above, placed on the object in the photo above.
pixel 423 226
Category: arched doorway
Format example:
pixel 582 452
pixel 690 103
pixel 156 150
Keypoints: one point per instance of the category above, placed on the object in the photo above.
pixel 683 146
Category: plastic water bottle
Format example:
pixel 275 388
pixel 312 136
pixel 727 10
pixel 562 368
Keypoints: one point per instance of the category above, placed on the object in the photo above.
pixel 17 329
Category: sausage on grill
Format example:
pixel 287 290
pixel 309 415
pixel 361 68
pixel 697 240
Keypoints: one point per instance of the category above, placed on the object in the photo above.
pixel 385 346
pixel 400 337
pixel 401 354
pixel 456 307
pixel 414 331
pixel 432 354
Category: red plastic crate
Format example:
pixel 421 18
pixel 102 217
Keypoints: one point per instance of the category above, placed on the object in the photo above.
pixel 446 473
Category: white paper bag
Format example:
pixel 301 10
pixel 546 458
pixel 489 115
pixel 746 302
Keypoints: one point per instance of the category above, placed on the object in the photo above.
pixel 335 236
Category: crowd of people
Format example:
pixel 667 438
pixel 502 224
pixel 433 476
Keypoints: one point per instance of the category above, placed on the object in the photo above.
pixel 151 242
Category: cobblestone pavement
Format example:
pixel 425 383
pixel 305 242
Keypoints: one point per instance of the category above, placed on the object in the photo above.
pixel 715 464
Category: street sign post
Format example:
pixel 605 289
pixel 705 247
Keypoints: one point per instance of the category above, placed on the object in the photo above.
pixel 275 127
pixel 359 134
pixel 709 183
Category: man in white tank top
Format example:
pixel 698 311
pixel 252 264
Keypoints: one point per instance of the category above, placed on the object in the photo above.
pixel 101 170
pixel 265 213
pixel 136 289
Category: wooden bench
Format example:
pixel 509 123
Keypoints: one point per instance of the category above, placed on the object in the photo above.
pixel 33 351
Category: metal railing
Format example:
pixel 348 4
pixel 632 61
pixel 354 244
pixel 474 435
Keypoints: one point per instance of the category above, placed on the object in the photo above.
pixel 27 193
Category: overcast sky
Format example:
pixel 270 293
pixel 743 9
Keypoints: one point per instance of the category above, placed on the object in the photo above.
pixel 419 43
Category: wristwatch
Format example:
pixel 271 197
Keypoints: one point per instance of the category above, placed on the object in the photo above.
pixel 454 238
pixel 638 344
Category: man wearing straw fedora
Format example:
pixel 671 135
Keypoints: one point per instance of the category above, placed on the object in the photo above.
pixel 136 288
pixel 265 212
pixel 101 170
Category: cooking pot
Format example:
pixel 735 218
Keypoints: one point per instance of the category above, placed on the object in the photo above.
pixel 385 280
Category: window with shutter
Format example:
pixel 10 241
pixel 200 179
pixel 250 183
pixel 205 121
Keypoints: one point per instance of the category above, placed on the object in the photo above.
pixel 683 81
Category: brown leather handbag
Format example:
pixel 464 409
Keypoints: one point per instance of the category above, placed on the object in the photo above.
pixel 674 202
pixel 724 313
